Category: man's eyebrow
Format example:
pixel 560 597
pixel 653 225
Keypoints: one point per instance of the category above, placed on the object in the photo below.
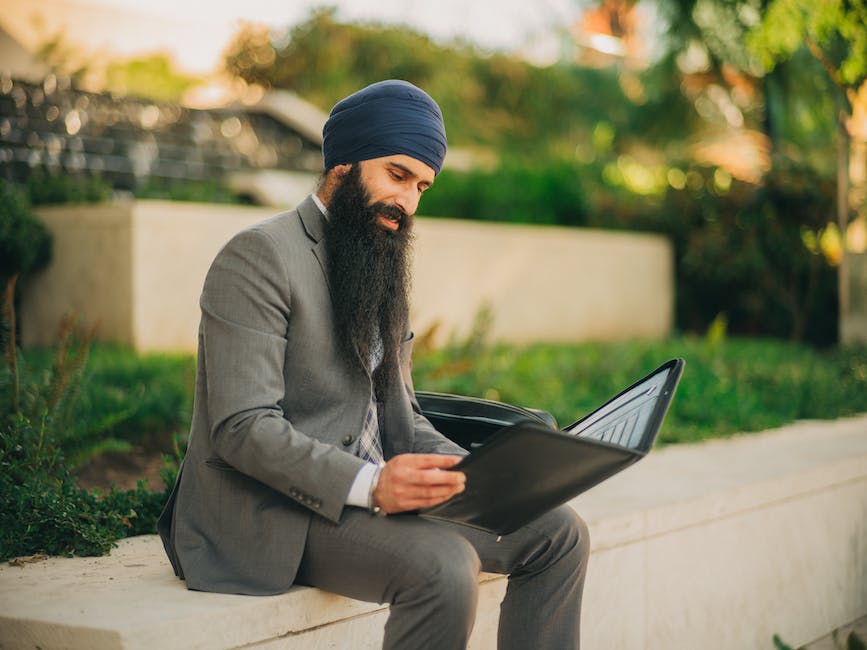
pixel 407 170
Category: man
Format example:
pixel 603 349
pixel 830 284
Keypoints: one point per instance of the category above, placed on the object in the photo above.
pixel 305 427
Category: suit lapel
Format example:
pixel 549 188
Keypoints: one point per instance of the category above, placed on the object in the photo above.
pixel 314 225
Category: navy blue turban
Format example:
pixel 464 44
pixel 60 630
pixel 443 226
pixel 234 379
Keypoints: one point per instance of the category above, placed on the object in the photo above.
pixel 386 118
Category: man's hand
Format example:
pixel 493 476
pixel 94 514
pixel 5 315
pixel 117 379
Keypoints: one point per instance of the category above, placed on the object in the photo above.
pixel 413 481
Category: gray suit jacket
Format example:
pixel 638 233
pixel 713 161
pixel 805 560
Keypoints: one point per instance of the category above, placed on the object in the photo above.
pixel 277 414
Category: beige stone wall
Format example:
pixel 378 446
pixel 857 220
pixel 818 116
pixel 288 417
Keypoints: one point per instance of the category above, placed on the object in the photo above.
pixel 137 268
pixel 90 275
pixel 133 269
pixel 542 283
pixel 173 246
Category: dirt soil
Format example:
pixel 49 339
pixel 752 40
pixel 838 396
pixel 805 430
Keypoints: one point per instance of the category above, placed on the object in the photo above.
pixel 123 469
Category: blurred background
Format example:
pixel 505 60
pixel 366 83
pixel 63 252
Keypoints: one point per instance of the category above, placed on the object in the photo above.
pixel 628 181
pixel 736 129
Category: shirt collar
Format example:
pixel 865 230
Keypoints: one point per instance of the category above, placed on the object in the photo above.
pixel 320 205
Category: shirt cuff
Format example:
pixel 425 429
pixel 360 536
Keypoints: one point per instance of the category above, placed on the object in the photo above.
pixel 359 493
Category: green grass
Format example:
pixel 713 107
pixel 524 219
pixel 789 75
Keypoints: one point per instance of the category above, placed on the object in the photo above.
pixel 123 399
pixel 735 385
pixel 71 410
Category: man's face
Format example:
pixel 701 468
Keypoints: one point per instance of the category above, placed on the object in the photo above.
pixel 394 185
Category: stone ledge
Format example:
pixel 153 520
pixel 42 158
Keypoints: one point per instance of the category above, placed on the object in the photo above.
pixel 96 604
pixel 682 486
pixel 686 541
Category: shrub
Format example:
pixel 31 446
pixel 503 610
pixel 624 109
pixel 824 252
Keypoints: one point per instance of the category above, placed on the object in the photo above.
pixel 123 400
pixel 46 187
pixel 25 243
pixel 518 191
pixel 742 252
pixel 44 510
pixel 202 191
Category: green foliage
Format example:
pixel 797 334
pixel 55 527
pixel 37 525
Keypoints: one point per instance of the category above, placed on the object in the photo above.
pixel 44 510
pixel 718 25
pixel 152 76
pixel 852 642
pixel 203 191
pixel 46 187
pixel 514 192
pixel 801 106
pixel 495 101
pixel 741 251
pixel 730 386
pixel 567 137
pixel 835 31
pixel 120 400
pixel 25 243
pixel 779 644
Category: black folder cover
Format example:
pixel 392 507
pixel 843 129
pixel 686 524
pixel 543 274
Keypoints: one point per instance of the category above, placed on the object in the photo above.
pixel 528 468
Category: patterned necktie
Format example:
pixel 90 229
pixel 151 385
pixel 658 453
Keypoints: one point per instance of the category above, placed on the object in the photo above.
pixel 369 447
pixel 369 444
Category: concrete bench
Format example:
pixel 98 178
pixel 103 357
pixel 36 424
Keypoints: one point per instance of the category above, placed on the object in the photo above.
pixel 716 545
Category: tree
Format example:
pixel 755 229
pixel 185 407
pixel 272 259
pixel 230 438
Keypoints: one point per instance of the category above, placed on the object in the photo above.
pixel 835 33
pixel 494 102
pixel 152 76
pixel 784 45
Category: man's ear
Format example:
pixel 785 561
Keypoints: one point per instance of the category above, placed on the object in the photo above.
pixel 331 180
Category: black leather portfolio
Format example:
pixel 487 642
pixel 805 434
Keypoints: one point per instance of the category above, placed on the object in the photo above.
pixel 528 466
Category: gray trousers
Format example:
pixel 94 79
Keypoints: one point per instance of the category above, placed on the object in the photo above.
pixel 427 571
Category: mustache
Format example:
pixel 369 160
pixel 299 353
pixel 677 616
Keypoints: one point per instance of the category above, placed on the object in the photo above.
pixel 389 212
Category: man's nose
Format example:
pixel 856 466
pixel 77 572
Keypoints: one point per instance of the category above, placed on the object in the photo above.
pixel 407 201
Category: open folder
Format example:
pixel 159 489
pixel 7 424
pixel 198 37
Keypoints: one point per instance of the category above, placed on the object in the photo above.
pixel 529 467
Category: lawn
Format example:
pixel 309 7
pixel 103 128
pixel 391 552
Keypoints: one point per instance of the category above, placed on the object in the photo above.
pixel 65 407
pixel 729 386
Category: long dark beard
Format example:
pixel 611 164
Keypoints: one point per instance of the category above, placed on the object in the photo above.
pixel 369 275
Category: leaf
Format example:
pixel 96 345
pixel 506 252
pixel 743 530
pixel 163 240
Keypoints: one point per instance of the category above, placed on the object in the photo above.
pixel 854 642
pixel 779 644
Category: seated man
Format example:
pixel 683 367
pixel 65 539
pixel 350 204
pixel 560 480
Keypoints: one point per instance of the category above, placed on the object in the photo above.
pixel 306 430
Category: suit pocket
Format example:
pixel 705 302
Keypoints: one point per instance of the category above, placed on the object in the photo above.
pixel 219 464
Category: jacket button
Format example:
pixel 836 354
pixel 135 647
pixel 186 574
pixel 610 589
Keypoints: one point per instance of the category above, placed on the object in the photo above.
pixel 348 440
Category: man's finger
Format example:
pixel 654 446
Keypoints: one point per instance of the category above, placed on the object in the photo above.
pixel 438 477
pixel 426 492
pixel 425 477
pixel 419 500
pixel 426 461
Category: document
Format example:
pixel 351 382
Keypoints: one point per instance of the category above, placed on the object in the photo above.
pixel 529 467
